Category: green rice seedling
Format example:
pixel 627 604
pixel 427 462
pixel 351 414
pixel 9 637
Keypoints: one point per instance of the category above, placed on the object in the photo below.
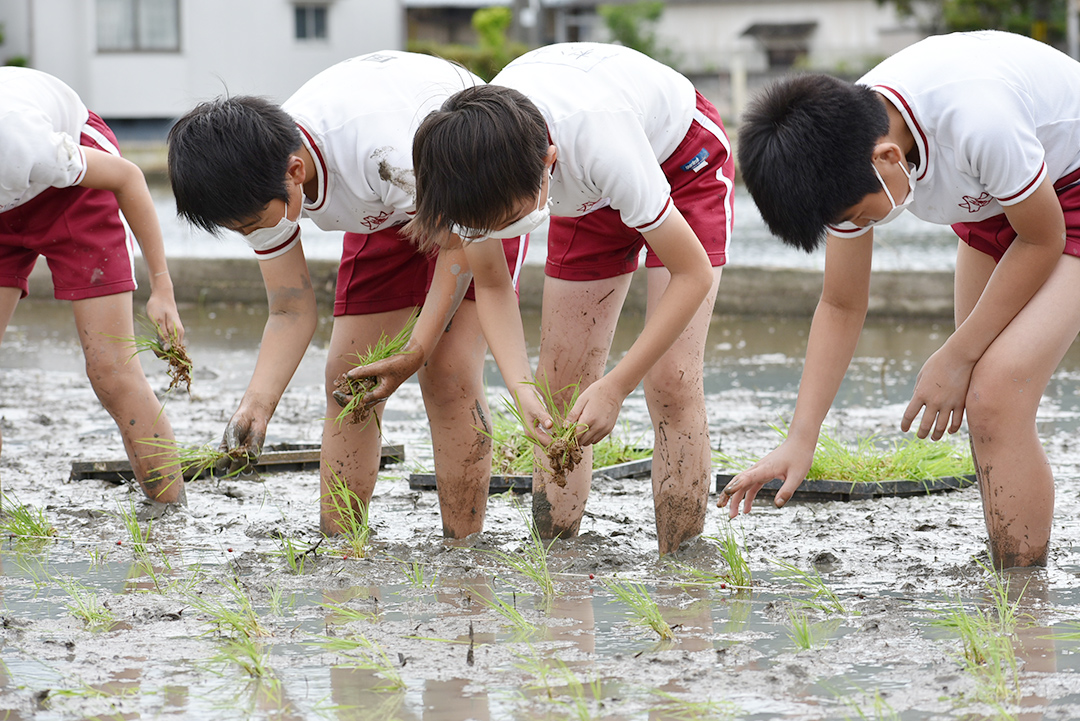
pixel 85 605
pixel 880 710
pixel 276 600
pixel 416 575
pixel 545 672
pixel 355 410
pixel 353 515
pixel 292 554
pixel 192 461
pixel 733 551
pixel 248 655
pixel 681 709
pixel 563 451
pixel 140 538
pixel 29 526
pixel 344 614
pixel 643 608
pixel 802 632
pixel 165 345
pixel 362 653
pixel 823 598
pixel 1071 635
pixel 532 559
pixel 612 451
pixel 987 639
pixel 239 622
pixel 521 628
pixel 872 460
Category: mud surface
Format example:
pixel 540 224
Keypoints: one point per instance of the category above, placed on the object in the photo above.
pixel 436 649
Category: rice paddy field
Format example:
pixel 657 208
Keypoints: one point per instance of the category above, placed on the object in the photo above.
pixel 236 606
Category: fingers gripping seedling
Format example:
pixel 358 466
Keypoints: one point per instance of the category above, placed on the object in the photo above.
pixel 563 452
pixel 165 344
pixel 352 393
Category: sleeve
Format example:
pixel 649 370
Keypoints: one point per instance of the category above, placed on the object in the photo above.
pixel 617 159
pixel 35 154
pixel 1000 148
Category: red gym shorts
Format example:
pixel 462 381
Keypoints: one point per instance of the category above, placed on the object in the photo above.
pixel 78 230
pixel 598 245
pixel 994 235
pixel 383 271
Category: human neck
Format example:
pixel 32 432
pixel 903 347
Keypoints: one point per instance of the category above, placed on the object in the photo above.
pixel 900 133
pixel 311 176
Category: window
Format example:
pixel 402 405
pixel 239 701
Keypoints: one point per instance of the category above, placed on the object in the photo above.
pixel 138 25
pixel 311 22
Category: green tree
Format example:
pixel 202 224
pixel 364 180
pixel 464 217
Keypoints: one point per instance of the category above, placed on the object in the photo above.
pixel 492 52
pixel 634 25
pixel 1041 19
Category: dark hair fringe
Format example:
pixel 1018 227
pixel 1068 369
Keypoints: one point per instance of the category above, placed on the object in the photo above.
pixel 805 148
pixel 228 158
pixel 475 159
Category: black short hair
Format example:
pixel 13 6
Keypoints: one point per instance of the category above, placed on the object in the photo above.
pixel 805 148
pixel 475 159
pixel 228 158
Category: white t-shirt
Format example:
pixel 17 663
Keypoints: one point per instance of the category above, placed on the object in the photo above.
pixel 614 115
pixel 357 119
pixel 41 121
pixel 993 114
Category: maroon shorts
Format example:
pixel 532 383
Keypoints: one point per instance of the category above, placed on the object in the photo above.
pixel 78 230
pixel 383 271
pixel 700 171
pixel 994 235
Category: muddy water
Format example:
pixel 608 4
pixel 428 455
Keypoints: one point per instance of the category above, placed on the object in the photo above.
pixel 163 651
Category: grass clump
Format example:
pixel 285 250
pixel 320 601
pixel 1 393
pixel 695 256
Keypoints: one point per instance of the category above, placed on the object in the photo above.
pixel 822 597
pixel 873 460
pixel 25 524
pixel 643 608
pixel 532 559
pixel 354 519
pixel 165 345
pixel 87 607
pixel 354 409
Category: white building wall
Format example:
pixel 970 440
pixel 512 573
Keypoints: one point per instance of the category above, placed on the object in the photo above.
pixel 226 46
pixel 850 34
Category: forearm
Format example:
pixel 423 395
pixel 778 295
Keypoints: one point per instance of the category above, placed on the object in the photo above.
pixel 1017 277
pixel 497 311
pixel 448 286
pixel 834 334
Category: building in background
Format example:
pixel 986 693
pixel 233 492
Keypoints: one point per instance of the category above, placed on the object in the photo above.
pixel 150 60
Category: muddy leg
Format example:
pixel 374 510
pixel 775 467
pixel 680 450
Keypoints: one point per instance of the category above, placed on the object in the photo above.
pixel 577 328
pixel 682 458
pixel 122 388
pixel 453 387
pixel 9 298
pixel 350 451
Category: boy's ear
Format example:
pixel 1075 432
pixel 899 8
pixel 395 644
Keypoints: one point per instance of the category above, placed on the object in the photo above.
pixel 552 156
pixel 294 170
pixel 887 152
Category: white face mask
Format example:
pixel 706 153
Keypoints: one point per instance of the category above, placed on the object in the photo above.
pixel 525 224
pixel 897 209
pixel 277 235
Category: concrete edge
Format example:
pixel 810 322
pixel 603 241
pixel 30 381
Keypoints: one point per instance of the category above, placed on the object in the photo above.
pixel 743 291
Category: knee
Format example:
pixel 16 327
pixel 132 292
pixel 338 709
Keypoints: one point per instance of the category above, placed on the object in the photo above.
pixel 997 401
pixel 674 384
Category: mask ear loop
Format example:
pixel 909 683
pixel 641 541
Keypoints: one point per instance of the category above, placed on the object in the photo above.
pixel 884 187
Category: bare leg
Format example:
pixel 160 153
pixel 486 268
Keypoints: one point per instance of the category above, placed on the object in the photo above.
pixel 1015 480
pixel 457 409
pixel 122 388
pixel 9 298
pixel 675 392
pixel 350 452
pixel 577 328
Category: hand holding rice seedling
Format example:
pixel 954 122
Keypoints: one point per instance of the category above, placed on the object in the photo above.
pixel 563 451
pixel 164 344
pixel 352 393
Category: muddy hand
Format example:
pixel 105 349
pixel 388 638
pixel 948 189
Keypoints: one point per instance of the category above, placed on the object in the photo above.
pixel 242 446
pixel 343 399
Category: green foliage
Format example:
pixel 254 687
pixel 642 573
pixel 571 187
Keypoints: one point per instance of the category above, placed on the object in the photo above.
pixel 1041 19
pixel 493 52
pixel 633 25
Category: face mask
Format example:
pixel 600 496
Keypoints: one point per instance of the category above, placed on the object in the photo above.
pixel 909 171
pixel 277 235
pixel 526 224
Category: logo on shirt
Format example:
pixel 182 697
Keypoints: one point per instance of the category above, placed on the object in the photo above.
pixel 371 222
pixel 377 58
pixel 974 205
pixel 698 162
pixel 586 207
